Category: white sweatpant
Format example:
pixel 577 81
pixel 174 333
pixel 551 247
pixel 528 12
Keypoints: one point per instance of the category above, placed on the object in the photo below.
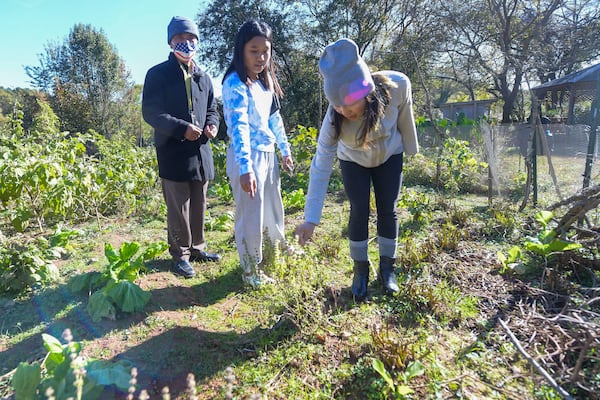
pixel 264 212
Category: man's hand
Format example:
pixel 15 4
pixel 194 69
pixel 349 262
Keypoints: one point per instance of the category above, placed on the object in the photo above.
pixel 192 133
pixel 210 131
pixel 304 232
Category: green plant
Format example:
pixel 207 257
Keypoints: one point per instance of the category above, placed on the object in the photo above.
pixel 223 222
pixel 544 245
pixel 450 236
pixel 116 287
pixel 399 390
pixel 64 373
pixel 417 203
pixel 222 189
pixel 52 178
pixel 459 169
pixel 304 143
pixel 418 170
pixel 294 200
pixel 547 242
pixel 500 222
pixel 23 266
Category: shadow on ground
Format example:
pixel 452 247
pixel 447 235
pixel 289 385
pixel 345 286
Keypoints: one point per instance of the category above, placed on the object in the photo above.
pixel 53 310
pixel 167 359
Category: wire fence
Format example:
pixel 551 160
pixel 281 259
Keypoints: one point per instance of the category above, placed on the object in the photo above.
pixel 559 166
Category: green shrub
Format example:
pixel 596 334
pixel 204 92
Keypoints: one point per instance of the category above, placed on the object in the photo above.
pixel 64 373
pixel 116 288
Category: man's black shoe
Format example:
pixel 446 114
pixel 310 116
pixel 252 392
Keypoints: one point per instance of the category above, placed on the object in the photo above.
pixel 202 256
pixel 183 268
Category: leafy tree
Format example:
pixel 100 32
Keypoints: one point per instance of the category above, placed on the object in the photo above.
pixel 6 101
pixel 464 49
pixel 45 120
pixel 218 26
pixel 25 102
pixel 569 41
pixel 219 22
pixel 87 81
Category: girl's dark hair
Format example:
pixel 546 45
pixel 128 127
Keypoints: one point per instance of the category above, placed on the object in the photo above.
pixel 377 101
pixel 247 31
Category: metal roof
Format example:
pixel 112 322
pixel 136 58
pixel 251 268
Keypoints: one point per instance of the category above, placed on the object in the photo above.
pixel 582 79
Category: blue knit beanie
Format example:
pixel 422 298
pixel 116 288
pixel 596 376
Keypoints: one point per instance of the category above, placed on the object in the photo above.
pixel 181 25
pixel 346 76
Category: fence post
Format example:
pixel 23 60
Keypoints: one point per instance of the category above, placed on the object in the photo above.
pixel 592 141
pixel 534 119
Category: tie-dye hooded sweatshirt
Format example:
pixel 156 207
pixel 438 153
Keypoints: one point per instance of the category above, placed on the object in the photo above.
pixel 250 123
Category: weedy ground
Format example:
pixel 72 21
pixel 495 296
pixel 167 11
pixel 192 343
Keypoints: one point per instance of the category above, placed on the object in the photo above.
pixel 303 337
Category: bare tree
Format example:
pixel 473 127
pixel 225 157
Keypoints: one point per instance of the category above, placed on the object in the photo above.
pixel 499 36
pixel 570 41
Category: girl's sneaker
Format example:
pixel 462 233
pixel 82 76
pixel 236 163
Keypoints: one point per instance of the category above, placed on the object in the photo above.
pixel 256 279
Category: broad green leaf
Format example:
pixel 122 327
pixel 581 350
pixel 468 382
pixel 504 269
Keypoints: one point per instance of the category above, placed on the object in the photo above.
pixel 130 273
pixel 110 253
pixel 128 250
pixel 380 368
pixel 26 380
pixel 404 390
pixel 415 368
pixel 53 361
pixel 563 245
pixel 154 250
pixel 137 263
pixel 547 236
pixel 128 296
pixel 100 306
pixel 108 373
pixel 52 344
pixel 514 254
pixel 537 248
pixel 81 282
pixel 544 217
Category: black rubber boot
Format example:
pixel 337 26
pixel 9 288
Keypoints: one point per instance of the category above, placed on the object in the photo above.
pixel 387 275
pixel 360 281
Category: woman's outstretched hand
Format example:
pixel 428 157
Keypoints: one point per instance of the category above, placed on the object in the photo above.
pixel 304 232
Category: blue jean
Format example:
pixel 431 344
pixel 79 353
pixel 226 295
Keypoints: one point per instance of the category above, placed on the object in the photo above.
pixel 387 181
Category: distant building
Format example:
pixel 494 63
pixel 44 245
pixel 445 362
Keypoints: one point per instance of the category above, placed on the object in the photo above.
pixel 471 109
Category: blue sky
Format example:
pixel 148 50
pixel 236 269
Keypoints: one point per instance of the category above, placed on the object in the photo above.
pixel 137 28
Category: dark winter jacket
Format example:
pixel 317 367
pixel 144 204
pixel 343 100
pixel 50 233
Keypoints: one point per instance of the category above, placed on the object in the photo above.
pixel 165 108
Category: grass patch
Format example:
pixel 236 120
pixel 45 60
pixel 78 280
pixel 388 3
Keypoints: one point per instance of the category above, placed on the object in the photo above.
pixel 303 337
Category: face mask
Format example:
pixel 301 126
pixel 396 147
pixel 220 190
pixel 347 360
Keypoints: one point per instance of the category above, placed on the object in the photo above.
pixel 185 50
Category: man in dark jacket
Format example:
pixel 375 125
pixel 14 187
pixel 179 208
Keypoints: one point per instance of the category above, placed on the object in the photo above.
pixel 178 102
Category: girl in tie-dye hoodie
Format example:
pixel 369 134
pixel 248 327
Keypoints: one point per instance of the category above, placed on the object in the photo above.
pixel 255 128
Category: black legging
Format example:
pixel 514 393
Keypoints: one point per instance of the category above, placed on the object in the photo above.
pixel 387 180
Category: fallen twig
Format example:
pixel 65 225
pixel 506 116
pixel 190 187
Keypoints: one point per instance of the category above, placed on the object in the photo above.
pixel 532 361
